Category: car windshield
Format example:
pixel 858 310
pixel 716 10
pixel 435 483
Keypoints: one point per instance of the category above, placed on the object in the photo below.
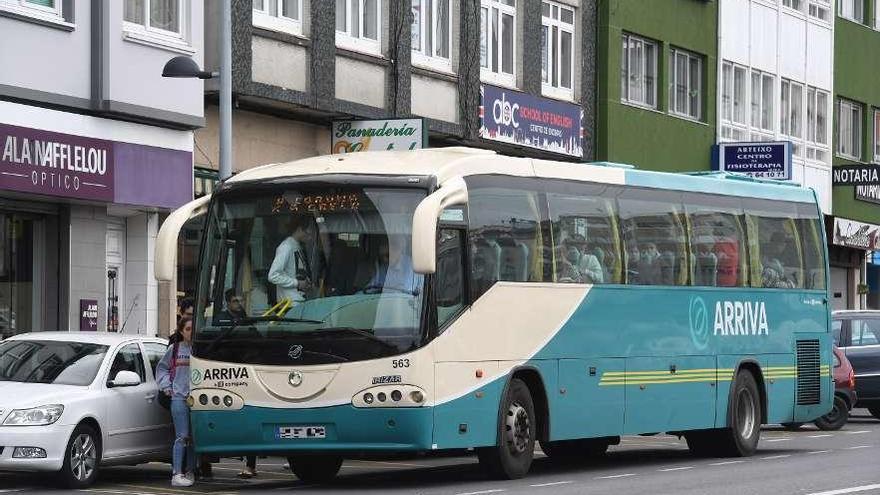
pixel 61 363
pixel 309 274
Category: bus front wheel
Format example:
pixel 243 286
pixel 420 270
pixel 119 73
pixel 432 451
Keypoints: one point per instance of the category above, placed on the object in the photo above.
pixel 512 457
pixel 315 468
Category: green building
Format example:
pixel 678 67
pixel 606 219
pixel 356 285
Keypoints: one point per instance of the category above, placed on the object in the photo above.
pixel 854 228
pixel 657 72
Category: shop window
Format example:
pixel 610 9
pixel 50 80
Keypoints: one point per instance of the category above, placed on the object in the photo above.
pixel 638 71
pixel 430 31
pixel 358 24
pixel 278 15
pixel 557 49
pixel 654 237
pixel 685 84
pixel 498 41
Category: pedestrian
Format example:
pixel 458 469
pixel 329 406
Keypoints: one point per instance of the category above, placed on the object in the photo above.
pixel 173 378
pixel 250 469
pixel 185 308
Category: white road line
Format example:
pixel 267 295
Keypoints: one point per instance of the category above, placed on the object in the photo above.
pixel 853 489
pixel 388 463
pixel 675 469
pixel 857 432
pixel 614 476
pixel 819 452
pixel 778 440
pixel 725 463
pixel 859 447
pixel 552 484
pixel 481 492
pixel 775 457
pixel 120 492
pixel 820 436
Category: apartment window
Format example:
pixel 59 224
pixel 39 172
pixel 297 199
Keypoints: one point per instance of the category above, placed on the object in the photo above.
pixel 685 83
pixel 557 49
pixel 45 11
pixel 849 129
pixel 762 101
pixel 817 124
pixel 162 17
pixel 791 117
pixel 876 136
pixel 794 4
pixel 279 15
pixel 358 24
pixel 733 93
pixel 430 30
pixel 497 40
pixel 821 9
pixel 853 10
pixel 638 71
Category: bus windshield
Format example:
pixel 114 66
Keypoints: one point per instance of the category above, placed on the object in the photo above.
pixel 309 274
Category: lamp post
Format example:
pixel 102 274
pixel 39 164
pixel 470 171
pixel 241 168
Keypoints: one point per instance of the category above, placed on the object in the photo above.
pixel 186 67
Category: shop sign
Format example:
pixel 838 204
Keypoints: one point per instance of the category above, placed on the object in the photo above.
pixel 541 123
pixel 869 193
pixel 88 314
pixel 855 175
pixel 763 160
pixel 378 135
pixel 44 162
pixel 857 235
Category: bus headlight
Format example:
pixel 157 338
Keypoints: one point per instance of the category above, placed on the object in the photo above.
pixel 391 395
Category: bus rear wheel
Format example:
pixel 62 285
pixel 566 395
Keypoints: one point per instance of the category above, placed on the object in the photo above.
pixel 315 468
pixel 740 438
pixel 512 457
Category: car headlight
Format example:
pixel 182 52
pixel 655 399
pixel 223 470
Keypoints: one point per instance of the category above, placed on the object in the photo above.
pixel 38 416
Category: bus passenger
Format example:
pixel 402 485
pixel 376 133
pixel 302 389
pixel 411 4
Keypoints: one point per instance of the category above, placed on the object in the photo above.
pixel 649 265
pixel 290 271
pixel 395 270
pixel 587 264
pixel 772 271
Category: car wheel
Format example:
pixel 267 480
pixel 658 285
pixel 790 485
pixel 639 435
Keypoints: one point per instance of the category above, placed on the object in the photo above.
pixel 512 457
pixel 875 411
pixel 836 418
pixel 315 468
pixel 792 426
pixel 81 458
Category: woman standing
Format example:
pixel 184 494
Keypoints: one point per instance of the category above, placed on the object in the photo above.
pixel 172 375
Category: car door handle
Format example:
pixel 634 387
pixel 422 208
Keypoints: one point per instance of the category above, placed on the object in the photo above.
pixel 150 397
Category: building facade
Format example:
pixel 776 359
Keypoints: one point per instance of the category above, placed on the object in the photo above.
pixel 95 147
pixel 852 231
pixel 517 76
pixel 657 83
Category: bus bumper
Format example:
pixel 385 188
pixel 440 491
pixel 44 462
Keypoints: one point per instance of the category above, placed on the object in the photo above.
pixel 263 430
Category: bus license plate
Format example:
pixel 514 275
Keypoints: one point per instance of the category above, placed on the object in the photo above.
pixel 286 432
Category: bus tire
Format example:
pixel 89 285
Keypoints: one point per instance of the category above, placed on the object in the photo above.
pixel 835 419
pixel 740 438
pixel 564 450
pixel 701 443
pixel 315 468
pixel 512 457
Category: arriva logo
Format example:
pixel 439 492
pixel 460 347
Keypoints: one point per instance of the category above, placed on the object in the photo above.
pixel 196 376
pixel 505 113
pixel 740 318
pixel 699 321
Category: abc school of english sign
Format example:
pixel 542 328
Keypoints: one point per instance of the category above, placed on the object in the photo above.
pixel 763 160
pixel 525 120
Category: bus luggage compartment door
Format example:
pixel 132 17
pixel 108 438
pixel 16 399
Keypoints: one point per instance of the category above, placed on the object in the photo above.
pixel 587 407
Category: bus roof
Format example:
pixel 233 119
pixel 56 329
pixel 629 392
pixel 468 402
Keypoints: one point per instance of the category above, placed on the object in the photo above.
pixel 449 163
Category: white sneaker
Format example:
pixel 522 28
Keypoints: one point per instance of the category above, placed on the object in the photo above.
pixel 181 480
pixel 191 476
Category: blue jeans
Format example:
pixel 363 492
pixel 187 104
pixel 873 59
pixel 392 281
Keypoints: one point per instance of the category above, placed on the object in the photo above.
pixel 183 446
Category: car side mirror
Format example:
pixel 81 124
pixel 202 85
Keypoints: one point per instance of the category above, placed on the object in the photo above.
pixel 126 379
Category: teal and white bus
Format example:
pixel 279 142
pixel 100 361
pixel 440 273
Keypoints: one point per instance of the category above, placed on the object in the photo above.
pixel 389 302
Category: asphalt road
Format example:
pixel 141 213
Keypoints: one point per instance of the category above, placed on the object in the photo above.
pixel 808 462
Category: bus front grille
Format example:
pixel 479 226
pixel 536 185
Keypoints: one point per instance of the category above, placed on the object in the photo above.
pixel 808 376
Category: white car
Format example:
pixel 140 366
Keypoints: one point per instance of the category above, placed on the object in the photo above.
pixel 71 402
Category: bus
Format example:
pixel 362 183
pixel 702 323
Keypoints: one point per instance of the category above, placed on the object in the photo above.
pixel 384 303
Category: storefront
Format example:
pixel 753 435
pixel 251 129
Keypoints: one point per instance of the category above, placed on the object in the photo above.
pixel 850 246
pixel 80 199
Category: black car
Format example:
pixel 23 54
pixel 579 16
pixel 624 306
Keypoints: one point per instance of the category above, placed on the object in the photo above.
pixel 857 333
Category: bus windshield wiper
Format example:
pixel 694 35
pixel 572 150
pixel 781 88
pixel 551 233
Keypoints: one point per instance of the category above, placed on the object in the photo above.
pixel 357 331
pixel 256 319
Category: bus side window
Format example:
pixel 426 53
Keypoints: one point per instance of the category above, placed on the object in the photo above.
pixel 808 227
pixel 717 241
pixel 586 247
pixel 449 278
pixel 656 247
pixel 774 245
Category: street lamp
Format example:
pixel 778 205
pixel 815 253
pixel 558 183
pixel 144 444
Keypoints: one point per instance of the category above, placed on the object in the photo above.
pixel 187 67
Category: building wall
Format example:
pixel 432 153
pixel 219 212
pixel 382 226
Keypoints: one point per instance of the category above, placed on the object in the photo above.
pixel 652 138
pixel 766 36
pixel 88 261
pixel 855 78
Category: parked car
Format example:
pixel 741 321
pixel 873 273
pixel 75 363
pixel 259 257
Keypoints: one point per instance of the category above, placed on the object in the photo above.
pixel 73 402
pixel 844 396
pixel 857 333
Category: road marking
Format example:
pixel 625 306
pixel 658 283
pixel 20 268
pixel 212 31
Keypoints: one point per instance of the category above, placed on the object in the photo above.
pixel 775 457
pixel 391 463
pixel 819 452
pixel 820 436
pixel 120 492
pixel 859 447
pixel 614 476
pixel 854 489
pixel 166 490
pixel 675 469
pixel 857 432
pixel 725 463
pixel 481 492
pixel 778 440
pixel 552 484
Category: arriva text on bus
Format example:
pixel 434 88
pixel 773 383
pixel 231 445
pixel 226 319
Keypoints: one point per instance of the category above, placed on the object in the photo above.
pixel 740 318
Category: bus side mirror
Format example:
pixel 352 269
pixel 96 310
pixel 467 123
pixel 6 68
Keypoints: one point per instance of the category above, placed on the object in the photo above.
pixel 166 242
pixel 424 229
